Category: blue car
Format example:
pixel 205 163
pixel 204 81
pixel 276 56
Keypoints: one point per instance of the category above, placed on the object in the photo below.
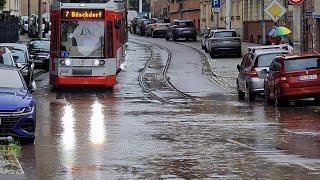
pixel 17 105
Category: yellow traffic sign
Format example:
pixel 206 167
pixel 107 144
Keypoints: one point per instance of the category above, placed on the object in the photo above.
pixel 275 10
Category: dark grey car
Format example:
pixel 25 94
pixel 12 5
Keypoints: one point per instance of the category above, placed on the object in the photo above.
pixel 182 29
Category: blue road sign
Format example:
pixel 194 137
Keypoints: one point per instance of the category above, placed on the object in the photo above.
pixel 216 3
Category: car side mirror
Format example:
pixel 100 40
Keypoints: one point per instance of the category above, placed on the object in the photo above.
pixel 32 87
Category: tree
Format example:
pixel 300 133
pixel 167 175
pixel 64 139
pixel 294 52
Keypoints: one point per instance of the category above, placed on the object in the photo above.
pixel 2 4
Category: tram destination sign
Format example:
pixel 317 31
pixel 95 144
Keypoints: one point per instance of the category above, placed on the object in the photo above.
pixel 82 14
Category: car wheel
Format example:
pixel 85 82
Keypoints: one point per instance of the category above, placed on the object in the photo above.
pixel 167 38
pixel 241 95
pixel 174 38
pixel 206 50
pixel 153 35
pixel 202 46
pixel 194 38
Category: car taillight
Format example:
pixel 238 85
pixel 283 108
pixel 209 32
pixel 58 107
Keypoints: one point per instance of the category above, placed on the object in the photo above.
pixel 253 72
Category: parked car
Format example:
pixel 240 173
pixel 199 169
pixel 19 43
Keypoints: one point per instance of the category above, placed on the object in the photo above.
pixel 6 57
pixel 224 42
pixel 21 57
pixel 181 29
pixel 250 80
pixel 17 105
pixel 293 77
pixel 23 24
pixel 39 49
pixel 157 29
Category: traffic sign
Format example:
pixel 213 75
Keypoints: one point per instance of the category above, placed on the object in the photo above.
pixel 296 2
pixel 216 3
pixel 275 10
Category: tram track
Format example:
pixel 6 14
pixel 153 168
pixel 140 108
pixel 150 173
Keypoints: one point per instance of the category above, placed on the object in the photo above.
pixel 143 80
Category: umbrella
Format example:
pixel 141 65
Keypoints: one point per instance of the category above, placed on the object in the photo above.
pixel 279 31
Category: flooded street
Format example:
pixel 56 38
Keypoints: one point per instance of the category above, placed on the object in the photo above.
pixel 170 117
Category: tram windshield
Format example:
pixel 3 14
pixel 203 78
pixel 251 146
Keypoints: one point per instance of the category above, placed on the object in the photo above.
pixel 82 39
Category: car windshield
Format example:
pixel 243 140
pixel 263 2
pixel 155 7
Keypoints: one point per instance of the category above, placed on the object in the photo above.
pixel 10 79
pixel 82 39
pixel 18 56
pixel 264 60
pixel 301 64
pixel 186 24
pixel 42 45
pixel 226 34
pixel 5 57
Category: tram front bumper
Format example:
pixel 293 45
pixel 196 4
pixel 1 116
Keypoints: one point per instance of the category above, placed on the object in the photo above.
pixel 106 81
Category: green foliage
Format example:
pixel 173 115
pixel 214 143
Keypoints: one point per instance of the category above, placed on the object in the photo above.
pixel 11 148
pixel 2 4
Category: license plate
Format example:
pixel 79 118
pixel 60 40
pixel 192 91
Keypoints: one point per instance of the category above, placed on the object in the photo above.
pixel 186 31
pixel 226 42
pixel 308 77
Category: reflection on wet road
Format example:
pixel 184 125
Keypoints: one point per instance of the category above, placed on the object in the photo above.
pixel 126 134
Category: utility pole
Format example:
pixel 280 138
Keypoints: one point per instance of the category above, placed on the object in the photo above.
pixel 181 9
pixel 40 19
pixel 140 6
pixel 263 23
pixel 29 14
pixel 228 13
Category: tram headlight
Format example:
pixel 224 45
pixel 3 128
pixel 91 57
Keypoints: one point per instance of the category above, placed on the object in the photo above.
pixel 102 62
pixel 68 62
pixel 62 62
pixel 96 63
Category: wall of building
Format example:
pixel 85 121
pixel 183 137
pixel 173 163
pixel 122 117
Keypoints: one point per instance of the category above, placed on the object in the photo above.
pixel 34 6
pixel 13 6
pixel 186 9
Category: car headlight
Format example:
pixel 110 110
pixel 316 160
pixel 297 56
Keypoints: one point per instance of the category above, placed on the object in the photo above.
pixel 25 110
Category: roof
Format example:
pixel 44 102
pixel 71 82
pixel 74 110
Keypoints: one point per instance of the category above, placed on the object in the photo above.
pixel 15 45
pixel 298 56
pixel 3 66
pixel 177 20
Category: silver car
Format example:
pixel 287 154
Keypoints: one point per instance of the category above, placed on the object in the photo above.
pixel 250 78
pixel 224 42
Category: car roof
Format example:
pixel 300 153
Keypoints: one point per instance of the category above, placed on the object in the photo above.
pixel 3 66
pixel 15 45
pixel 182 20
pixel 300 56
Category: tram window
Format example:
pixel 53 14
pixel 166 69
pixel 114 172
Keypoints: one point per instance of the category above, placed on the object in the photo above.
pixel 110 38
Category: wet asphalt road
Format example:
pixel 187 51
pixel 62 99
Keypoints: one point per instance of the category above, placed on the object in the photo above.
pixel 146 129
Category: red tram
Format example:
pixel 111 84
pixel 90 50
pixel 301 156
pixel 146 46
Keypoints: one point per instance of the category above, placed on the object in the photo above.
pixel 87 42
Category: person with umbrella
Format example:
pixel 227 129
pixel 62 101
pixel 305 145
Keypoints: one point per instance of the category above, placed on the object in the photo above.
pixel 277 33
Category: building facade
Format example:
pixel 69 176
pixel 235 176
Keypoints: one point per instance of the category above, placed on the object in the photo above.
pixel 160 8
pixel 34 6
pixel 185 9
pixel 13 6
pixel 217 17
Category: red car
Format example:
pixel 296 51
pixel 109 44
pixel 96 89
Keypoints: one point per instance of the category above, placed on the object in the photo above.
pixel 293 77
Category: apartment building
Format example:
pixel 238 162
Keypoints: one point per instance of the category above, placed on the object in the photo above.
pixel 160 8
pixel 217 18
pixel 13 6
pixel 34 6
pixel 185 9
